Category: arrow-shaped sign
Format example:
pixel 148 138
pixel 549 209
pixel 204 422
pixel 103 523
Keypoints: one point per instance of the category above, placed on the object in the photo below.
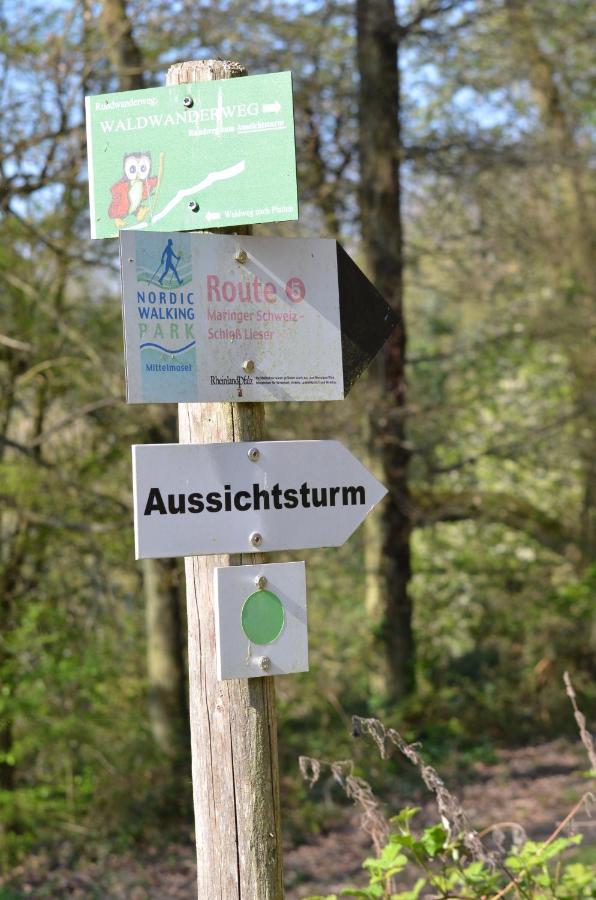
pixel 199 499
pixel 213 216
pixel 229 318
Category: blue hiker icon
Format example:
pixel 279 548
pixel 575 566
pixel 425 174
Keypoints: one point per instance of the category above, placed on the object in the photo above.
pixel 166 261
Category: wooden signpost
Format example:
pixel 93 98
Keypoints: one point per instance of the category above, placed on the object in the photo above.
pixel 233 724
pixel 197 154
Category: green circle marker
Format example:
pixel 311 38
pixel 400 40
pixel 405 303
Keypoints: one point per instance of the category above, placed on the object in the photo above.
pixel 262 617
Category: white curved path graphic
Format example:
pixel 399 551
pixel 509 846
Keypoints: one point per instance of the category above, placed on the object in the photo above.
pixel 212 178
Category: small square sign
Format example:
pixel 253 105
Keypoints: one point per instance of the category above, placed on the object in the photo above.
pixel 260 620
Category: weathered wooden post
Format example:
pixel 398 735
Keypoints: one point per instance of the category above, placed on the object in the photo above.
pixel 233 724
pixel 317 324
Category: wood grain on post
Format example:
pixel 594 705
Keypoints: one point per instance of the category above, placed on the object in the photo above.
pixel 233 724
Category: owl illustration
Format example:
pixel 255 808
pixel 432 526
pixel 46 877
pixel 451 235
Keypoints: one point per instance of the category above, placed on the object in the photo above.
pixel 131 194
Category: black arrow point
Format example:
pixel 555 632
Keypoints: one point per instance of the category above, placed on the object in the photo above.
pixel 366 319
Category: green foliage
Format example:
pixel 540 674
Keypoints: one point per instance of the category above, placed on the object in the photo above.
pixel 440 863
pixel 500 410
pixel 82 751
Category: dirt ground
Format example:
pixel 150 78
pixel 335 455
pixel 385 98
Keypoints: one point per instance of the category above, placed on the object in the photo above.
pixel 535 787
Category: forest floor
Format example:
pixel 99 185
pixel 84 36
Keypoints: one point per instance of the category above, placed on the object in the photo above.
pixel 535 787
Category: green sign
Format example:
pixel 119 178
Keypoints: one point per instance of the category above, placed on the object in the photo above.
pixel 209 155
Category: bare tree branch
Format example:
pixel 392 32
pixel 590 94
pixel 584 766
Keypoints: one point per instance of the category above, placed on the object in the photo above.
pixel 79 413
pixel 433 506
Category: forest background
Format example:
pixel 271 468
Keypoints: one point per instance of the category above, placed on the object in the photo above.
pixel 448 146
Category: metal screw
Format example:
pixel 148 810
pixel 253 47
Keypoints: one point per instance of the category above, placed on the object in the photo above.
pixel 248 365
pixel 256 539
pixel 241 255
pixel 253 454
pixel 193 206
pixel 188 102
pixel 264 663
pixel 261 582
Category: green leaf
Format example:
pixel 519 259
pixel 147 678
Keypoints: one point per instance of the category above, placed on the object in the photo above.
pixel 433 840
pixel 578 880
pixel 412 894
pixel 402 819
pixel 534 854
pixel 477 873
pixel 373 892
pixel 389 857
pixel 321 897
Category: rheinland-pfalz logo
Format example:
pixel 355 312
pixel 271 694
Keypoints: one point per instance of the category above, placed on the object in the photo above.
pixel 166 314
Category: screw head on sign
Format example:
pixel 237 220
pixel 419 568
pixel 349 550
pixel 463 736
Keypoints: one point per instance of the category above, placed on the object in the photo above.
pixel 248 365
pixel 188 102
pixel 261 582
pixel 241 255
pixel 253 454
pixel 193 206
pixel 256 539
pixel 264 663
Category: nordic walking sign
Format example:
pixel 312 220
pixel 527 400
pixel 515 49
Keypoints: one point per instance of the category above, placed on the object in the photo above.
pixel 219 318
pixel 192 156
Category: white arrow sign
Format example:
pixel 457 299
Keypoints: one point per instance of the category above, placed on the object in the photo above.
pixel 272 107
pixel 198 499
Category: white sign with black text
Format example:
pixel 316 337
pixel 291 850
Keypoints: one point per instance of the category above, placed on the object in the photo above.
pixel 199 499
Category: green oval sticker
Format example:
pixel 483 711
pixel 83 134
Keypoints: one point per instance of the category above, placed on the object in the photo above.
pixel 262 617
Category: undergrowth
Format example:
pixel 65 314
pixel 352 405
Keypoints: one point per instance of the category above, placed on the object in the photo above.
pixel 450 859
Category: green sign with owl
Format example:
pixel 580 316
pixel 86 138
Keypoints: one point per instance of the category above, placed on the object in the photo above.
pixel 210 155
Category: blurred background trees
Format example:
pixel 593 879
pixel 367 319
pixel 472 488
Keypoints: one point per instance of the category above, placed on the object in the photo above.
pixel 448 145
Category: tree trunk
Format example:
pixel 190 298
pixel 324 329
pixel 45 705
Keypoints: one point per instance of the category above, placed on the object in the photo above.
pixel 7 404
pixel 123 51
pixel 233 723
pixel 575 224
pixel 166 676
pixel 388 572
pixel 168 709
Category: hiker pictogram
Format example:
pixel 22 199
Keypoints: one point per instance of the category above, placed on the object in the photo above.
pixel 166 261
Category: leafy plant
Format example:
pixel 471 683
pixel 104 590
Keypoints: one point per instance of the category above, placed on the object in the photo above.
pixel 448 859
pixel 434 861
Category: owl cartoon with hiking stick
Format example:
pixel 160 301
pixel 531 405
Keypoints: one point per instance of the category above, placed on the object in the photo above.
pixel 135 194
